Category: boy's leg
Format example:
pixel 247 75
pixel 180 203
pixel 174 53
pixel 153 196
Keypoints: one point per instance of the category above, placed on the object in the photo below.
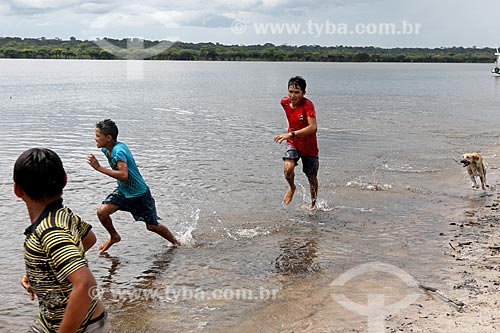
pixel 311 166
pixel 103 213
pixel 163 231
pixel 149 216
pixel 289 170
pixel 313 188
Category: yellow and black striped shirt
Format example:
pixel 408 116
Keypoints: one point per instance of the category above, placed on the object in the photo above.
pixel 53 250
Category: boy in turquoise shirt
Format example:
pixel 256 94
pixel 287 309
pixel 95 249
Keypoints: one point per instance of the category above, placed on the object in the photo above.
pixel 132 194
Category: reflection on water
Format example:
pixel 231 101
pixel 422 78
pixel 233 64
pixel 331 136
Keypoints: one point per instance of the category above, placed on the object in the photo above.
pixel 158 267
pixel 129 302
pixel 107 279
pixel 208 155
pixel 145 280
pixel 297 256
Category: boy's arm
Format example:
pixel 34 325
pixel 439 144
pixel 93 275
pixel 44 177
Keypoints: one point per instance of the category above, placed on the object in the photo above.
pixel 26 285
pixel 79 301
pixel 311 128
pixel 89 241
pixel 120 174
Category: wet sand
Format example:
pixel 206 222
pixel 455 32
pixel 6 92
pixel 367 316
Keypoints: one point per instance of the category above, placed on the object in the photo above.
pixel 470 299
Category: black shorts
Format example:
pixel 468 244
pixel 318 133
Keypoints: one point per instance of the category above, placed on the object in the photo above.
pixel 310 163
pixel 142 208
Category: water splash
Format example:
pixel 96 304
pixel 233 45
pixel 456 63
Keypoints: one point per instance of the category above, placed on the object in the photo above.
pixel 226 230
pixel 241 233
pixel 304 193
pixel 323 206
pixel 186 236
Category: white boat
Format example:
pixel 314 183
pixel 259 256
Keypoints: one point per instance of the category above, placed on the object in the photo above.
pixel 496 70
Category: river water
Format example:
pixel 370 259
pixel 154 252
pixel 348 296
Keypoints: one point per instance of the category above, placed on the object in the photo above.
pixel 202 135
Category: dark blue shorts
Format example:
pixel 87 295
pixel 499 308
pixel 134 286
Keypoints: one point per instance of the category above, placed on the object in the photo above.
pixel 142 208
pixel 310 163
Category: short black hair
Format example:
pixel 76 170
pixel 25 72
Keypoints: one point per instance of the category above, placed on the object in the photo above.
pixel 298 81
pixel 108 127
pixel 40 173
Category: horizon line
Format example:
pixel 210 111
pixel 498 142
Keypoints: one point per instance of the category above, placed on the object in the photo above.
pixel 72 38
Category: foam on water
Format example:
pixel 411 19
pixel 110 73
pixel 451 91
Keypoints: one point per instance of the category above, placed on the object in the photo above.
pixel 369 186
pixel 408 169
pixel 359 209
pixel 251 233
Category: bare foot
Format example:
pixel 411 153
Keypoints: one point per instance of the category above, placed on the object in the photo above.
pixel 107 244
pixel 313 204
pixel 289 195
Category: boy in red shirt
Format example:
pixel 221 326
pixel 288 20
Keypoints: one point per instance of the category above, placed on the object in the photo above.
pixel 301 142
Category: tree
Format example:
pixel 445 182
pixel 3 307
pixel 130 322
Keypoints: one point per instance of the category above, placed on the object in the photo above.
pixel 43 48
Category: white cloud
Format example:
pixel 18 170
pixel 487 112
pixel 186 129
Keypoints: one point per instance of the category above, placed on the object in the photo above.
pixel 273 3
pixel 41 4
pixel 136 16
pixel 235 5
pixel 92 8
pixel 4 9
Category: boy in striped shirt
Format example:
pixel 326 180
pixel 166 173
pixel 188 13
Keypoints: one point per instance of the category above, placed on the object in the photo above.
pixel 54 250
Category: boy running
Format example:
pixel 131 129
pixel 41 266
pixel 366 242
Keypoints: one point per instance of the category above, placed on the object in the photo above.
pixel 132 194
pixel 301 142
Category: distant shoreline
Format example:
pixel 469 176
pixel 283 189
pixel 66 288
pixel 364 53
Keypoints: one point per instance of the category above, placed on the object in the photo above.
pixel 113 49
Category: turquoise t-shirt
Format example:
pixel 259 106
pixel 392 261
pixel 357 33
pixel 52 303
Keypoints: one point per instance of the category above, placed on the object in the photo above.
pixel 135 185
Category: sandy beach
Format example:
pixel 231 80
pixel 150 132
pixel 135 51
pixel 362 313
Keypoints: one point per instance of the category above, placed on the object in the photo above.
pixel 471 301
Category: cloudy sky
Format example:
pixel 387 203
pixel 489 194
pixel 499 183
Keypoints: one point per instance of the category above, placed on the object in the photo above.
pixel 383 23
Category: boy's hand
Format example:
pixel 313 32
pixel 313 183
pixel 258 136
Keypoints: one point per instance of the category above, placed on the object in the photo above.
pixel 92 160
pixel 26 285
pixel 282 137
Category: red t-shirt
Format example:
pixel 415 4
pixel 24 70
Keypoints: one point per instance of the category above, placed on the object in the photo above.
pixel 297 119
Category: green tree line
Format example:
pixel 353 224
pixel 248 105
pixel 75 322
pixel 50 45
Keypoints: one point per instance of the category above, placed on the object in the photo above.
pixel 42 48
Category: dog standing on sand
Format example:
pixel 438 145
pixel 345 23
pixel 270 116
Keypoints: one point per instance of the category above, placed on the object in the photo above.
pixel 475 168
